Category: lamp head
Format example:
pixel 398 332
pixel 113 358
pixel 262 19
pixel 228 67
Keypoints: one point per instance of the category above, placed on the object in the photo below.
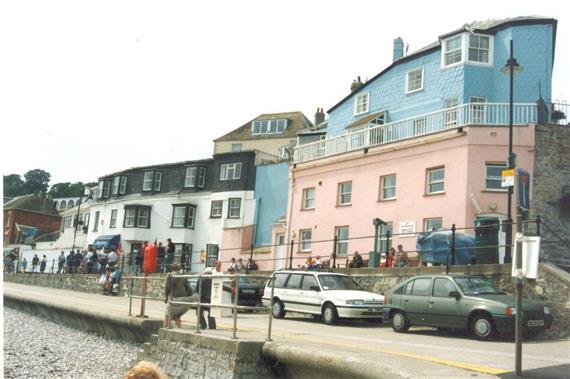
pixel 512 63
pixel 378 221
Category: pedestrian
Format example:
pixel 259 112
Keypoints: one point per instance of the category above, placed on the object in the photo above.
pixel 401 257
pixel 112 258
pixel 232 268
pixel 35 262
pixel 170 251
pixel 60 262
pixel 160 253
pixel 8 262
pixel 69 261
pixel 145 370
pixel 319 262
pixel 390 257
pixel 103 260
pixel 177 289
pixel 137 268
pixel 239 265
pixel 205 288
pixel 24 265
pixel 251 265
pixel 95 259
pixel 77 259
pixel 43 264
pixel 89 259
pixel 356 260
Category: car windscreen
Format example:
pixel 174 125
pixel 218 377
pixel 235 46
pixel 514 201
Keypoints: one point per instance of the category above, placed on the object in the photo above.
pixel 476 286
pixel 338 282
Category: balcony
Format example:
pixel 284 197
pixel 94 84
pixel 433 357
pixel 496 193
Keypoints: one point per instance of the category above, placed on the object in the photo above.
pixel 471 114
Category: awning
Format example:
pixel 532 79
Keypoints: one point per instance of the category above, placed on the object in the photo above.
pixel 110 241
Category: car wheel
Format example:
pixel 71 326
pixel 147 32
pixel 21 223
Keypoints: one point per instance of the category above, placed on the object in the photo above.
pixel 278 309
pixel 400 322
pixel 330 314
pixel 482 327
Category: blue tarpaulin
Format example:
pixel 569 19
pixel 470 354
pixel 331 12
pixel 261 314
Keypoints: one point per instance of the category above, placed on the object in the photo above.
pixel 434 247
pixel 109 241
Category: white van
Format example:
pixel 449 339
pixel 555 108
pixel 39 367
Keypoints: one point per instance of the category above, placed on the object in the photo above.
pixel 327 294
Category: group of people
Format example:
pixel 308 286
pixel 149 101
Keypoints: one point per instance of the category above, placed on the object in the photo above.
pixel 394 258
pixel 37 264
pixel 165 258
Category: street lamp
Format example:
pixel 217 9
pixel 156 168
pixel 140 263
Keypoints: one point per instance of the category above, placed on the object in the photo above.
pixel 76 222
pixel 377 232
pixel 511 67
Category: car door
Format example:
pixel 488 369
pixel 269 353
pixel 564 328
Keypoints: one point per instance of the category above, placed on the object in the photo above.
pixel 443 310
pixel 415 299
pixel 291 293
pixel 310 295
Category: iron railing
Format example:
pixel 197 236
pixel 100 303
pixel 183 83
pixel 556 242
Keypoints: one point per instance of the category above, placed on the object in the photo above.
pixel 439 121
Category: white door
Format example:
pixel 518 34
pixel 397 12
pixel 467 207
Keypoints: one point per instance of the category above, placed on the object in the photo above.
pixel 280 251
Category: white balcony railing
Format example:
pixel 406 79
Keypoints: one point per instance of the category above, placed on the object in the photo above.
pixel 446 119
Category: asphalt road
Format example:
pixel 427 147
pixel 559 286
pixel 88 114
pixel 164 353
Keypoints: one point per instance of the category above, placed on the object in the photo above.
pixel 421 352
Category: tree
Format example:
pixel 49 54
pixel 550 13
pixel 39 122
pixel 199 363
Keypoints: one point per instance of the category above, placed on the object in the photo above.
pixel 37 181
pixel 14 185
pixel 66 189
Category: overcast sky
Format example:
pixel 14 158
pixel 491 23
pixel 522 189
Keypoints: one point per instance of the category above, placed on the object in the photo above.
pixel 88 88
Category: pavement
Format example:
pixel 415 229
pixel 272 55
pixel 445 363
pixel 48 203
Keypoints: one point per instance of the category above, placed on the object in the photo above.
pixel 421 353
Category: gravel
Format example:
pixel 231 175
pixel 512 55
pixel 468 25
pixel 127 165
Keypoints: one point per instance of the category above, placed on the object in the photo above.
pixel 38 348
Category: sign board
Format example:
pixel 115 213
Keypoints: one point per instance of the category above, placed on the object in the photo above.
pixel 530 253
pixel 407 228
pixel 523 189
pixel 508 178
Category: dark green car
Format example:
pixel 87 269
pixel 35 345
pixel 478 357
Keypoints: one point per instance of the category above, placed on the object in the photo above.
pixel 461 302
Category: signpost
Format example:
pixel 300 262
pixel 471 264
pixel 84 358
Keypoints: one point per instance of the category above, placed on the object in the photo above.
pixel 508 178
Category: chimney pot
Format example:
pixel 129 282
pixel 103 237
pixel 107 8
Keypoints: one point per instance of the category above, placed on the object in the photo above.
pixel 398 49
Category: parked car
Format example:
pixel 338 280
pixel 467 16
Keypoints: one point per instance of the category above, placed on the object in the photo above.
pixel 461 302
pixel 250 290
pixel 320 293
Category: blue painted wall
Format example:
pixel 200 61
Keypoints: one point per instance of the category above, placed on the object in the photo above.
pixel 271 186
pixel 533 50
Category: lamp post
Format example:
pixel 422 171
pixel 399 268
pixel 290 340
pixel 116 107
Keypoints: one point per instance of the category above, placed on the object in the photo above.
pixel 511 68
pixel 76 222
pixel 377 232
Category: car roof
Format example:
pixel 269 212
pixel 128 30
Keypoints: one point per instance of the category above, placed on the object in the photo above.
pixel 314 272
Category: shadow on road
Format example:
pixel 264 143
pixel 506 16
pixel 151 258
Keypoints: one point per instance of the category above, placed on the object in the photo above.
pixel 552 372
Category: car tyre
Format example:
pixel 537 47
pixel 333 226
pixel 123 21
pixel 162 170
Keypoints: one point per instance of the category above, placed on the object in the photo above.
pixel 482 327
pixel 400 322
pixel 278 309
pixel 330 314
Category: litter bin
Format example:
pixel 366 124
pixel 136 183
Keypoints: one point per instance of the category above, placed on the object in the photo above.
pixel 487 240
pixel 373 259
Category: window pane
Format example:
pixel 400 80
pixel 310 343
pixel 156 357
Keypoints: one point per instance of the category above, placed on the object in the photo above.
pixel 294 281
pixel 308 282
pixel 147 183
pixel 116 181
pixel 113 221
pixel 191 216
pixel 157 180
pixel 142 221
pixel 442 287
pixel 130 215
pixel 216 209
pixel 178 216
pixel 306 239
pixel 421 287
pixel 190 180
pixel 123 185
pixel 201 177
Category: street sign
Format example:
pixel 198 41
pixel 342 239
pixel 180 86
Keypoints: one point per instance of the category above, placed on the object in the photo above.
pixel 530 257
pixel 508 178
pixel 523 189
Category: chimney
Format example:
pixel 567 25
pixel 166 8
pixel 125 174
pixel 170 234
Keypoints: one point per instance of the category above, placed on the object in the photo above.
pixel 319 116
pixel 356 84
pixel 398 49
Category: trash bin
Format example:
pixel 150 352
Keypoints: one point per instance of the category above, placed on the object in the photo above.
pixel 487 240
pixel 373 259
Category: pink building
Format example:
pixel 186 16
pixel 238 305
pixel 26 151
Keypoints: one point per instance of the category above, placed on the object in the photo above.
pixel 417 184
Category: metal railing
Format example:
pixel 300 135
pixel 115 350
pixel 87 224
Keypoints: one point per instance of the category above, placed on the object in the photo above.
pixel 198 305
pixel 442 120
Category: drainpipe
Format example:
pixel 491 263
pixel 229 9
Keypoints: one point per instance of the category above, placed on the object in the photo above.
pixel 291 197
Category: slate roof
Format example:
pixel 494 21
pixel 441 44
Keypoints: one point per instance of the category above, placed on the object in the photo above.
pixel 490 26
pixel 296 122
pixel 32 203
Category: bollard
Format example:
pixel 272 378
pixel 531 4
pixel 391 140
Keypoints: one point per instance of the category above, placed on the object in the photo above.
pixel 236 303
pixel 272 279
pixel 142 315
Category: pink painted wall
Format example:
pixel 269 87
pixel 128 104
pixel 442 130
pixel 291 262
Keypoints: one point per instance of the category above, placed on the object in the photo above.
pixel 233 238
pixel 462 154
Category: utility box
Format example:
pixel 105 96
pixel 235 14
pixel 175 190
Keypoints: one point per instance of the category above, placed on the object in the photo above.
pixel 487 240
pixel 373 259
pixel 219 298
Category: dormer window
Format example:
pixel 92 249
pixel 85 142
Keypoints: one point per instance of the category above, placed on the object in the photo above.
pixel 119 185
pixel 467 48
pixel 361 103
pixel 269 126
pixel 104 189
pixel 195 177
pixel 152 181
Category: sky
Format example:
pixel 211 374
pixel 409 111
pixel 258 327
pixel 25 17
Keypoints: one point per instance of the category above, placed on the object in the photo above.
pixel 88 88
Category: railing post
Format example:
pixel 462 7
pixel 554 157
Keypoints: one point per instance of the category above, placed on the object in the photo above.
pixel 451 254
pixel 52 263
pixel 170 279
pixel 334 251
pixel 291 256
pixel 143 300
pixel 234 328
pixel 199 308
pixel 272 279
pixel 538 225
pixel 131 296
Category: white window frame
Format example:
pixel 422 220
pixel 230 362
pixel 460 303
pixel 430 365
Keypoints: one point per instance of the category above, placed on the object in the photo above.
pixel 309 198
pixel 502 166
pixel 450 117
pixel 143 221
pixel 201 182
pixel 342 192
pixel 430 220
pixel 230 171
pixel 270 127
pixel 465 46
pixel 191 176
pixel 341 243
pixel 157 183
pixel 362 103
pixel 113 218
pixel 190 216
pixel 305 237
pixel 431 182
pixel 444 51
pixel 384 188
pixel 478 112
pixel 116 182
pixel 130 217
pixel 489 51
pixel 148 180
pixel 236 147
pixel 179 216
pixel 232 207
pixel 408 73
pixel 123 185
pixel 219 210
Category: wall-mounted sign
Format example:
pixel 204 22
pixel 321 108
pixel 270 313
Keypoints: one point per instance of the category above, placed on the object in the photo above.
pixel 407 228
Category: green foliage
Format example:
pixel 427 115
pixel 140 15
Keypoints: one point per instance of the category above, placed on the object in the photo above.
pixel 66 189
pixel 14 185
pixel 37 181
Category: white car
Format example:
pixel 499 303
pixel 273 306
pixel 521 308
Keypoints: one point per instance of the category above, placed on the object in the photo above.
pixel 327 294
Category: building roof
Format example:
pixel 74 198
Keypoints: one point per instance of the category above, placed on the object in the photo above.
pixel 33 203
pixel 296 122
pixel 490 26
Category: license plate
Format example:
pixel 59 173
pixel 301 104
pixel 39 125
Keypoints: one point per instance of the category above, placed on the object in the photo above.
pixel 535 323
pixel 247 291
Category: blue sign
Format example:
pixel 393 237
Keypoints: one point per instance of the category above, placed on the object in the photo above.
pixel 523 189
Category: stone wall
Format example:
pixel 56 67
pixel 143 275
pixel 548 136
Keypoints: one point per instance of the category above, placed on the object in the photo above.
pixel 551 191
pixel 184 354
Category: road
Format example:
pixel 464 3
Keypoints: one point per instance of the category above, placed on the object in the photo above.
pixel 419 350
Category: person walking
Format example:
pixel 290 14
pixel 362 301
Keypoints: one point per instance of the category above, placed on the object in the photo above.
pixel 69 261
pixel 112 258
pixel 160 253
pixel 43 264
pixel 170 251
pixel 177 289
pixel 35 262
pixel 401 257
pixel 60 262
pixel 24 265
pixel 205 288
